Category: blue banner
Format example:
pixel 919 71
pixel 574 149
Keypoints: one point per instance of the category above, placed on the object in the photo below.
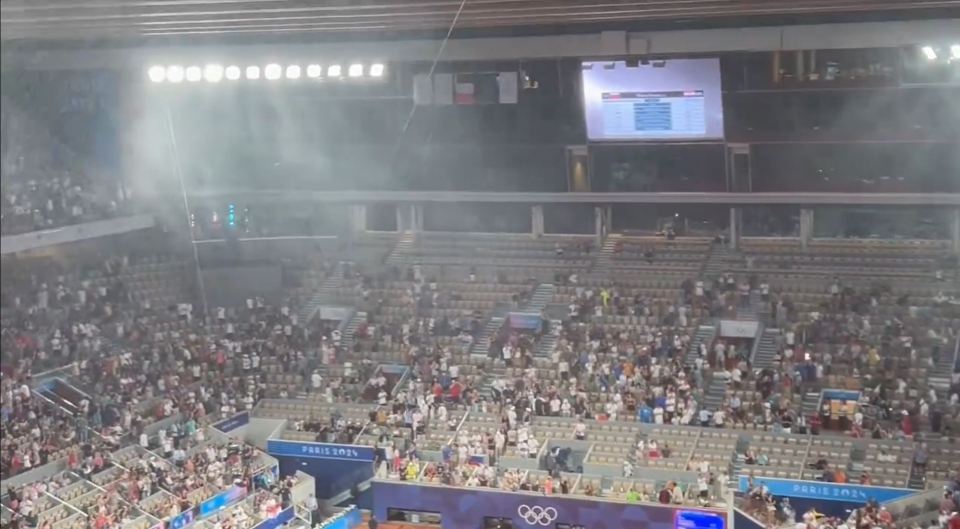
pixel 840 394
pixel 461 508
pixel 181 520
pixel 237 421
pixel 818 490
pixel 525 320
pixel 699 520
pixel 221 500
pixel 281 518
pixel 277 447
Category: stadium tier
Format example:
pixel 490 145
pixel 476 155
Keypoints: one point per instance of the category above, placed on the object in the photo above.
pixel 480 265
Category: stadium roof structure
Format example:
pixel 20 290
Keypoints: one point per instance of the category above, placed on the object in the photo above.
pixel 134 20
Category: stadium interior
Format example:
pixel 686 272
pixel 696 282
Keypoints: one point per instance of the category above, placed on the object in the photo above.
pixel 480 264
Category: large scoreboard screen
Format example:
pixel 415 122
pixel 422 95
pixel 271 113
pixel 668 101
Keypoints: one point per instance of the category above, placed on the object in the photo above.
pixel 675 100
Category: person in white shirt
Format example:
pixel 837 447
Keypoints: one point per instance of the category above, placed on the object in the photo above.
pixel 499 442
pixel 718 418
pixel 555 405
pixel 580 430
pixel 534 446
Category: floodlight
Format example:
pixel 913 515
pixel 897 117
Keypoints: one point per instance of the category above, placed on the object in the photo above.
pixel 232 73
pixel 929 52
pixel 293 71
pixel 955 51
pixel 157 74
pixel 356 70
pixel 175 74
pixel 334 70
pixel 194 73
pixel 253 72
pixel 314 71
pixel 376 69
pixel 272 72
pixel 213 73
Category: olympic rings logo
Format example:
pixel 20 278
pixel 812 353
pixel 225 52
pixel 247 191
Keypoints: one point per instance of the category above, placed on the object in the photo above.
pixel 537 515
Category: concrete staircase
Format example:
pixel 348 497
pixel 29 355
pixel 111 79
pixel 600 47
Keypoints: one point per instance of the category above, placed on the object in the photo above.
pixel 482 346
pixel 603 262
pixel 743 444
pixel 943 370
pixel 493 373
pixel 402 250
pixel 722 259
pixel 766 352
pixel 541 297
pixel 752 311
pixel 349 331
pixel 858 455
pixel 705 334
pixel 810 404
pixel 549 341
pixel 715 393
pixel 324 295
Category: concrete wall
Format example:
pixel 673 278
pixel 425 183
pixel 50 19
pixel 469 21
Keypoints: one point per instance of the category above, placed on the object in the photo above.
pixel 259 430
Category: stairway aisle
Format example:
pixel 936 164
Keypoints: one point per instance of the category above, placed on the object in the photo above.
pixel 705 334
pixel 766 352
pixel 482 346
pixel 402 250
pixel 716 392
pixel 549 341
pixel 347 339
pixel 541 297
pixel 324 295
pixel 603 262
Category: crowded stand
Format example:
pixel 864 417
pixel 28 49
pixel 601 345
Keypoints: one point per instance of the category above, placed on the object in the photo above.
pixel 677 288
pixel 43 191
pixel 623 378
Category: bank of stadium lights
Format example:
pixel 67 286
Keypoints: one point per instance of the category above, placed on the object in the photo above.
pixel 215 73
pixel 932 53
pixel 272 72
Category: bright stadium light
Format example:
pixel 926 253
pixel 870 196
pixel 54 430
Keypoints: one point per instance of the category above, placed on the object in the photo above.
pixel 356 70
pixel 314 71
pixel 955 51
pixel 272 72
pixel 175 74
pixel 334 70
pixel 253 72
pixel 929 53
pixel 376 69
pixel 232 73
pixel 213 73
pixel 293 71
pixel 194 73
pixel 157 74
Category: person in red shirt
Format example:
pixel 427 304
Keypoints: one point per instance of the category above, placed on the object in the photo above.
pixel 455 390
pixel 906 424
pixel 954 522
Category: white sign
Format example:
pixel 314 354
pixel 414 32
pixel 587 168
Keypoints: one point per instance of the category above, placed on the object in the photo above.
pixel 738 329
